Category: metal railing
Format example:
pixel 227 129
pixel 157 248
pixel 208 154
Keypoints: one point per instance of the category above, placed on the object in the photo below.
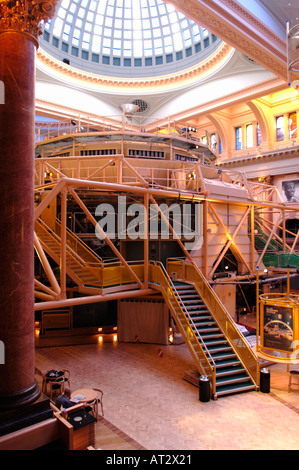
pixel 99 274
pixel 159 276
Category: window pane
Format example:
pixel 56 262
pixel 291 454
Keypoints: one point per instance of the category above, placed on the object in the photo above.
pixel 238 138
pixel 258 135
pixel 249 135
pixel 293 125
pixel 280 128
pixel 155 28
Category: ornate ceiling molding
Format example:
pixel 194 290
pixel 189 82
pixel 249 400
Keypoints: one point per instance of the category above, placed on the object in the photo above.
pixel 64 72
pixel 251 92
pixel 238 27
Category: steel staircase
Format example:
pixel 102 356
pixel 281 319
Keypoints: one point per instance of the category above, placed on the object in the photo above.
pixel 231 376
pixel 274 255
pixel 78 267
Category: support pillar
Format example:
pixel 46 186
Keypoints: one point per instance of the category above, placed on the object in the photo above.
pixel 19 28
pixel 17 385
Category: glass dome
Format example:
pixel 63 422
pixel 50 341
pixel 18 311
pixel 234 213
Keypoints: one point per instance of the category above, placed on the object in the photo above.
pixel 125 37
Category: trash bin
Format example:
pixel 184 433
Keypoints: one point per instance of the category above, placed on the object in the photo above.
pixel 265 380
pixel 204 388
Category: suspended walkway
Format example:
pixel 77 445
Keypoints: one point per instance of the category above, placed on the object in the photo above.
pixel 88 271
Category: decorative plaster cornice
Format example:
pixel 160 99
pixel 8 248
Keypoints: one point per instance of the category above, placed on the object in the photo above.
pixel 64 72
pixel 250 92
pixel 237 26
pixel 274 40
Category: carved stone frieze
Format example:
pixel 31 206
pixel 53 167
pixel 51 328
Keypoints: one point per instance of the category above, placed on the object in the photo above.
pixel 25 15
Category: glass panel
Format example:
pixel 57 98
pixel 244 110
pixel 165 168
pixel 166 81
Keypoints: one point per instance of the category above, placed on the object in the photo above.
pixel 293 125
pixel 249 135
pixel 213 142
pixel 280 128
pixel 258 135
pixel 238 138
pixel 138 20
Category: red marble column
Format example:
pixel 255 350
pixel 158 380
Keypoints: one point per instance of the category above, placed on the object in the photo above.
pixel 17 72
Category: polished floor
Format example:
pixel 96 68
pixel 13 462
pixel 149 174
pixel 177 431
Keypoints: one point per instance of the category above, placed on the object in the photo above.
pixel 148 404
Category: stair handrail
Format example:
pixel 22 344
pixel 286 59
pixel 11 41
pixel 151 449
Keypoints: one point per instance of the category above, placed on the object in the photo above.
pixel 187 314
pixel 228 319
pixel 211 366
pixel 95 270
pixel 70 251
pixel 80 242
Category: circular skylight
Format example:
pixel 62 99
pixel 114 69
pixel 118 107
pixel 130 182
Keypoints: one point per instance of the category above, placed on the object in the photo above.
pixel 102 36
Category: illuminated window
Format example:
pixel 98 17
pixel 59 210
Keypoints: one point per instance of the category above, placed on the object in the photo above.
pixel 292 125
pixel 279 128
pixel 213 142
pixel 238 135
pixel 258 135
pixel 249 135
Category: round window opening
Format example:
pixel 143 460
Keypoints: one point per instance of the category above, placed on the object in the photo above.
pixel 143 106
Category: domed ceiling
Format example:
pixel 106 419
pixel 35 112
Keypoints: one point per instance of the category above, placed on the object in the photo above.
pixel 133 38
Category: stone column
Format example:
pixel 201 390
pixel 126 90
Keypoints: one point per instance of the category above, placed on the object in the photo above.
pixel 19 29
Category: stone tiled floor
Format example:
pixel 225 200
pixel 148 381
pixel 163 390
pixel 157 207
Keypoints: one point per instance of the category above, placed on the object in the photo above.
pixel 148 405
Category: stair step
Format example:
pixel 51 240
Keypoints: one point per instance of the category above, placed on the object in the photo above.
pixel 203 323
pixel 220 356
pixel 214 335
pixel 196 307
pixel 218 348
pixel 182 285
pixel 211 329
pixel 203 314
pixel 234 388
pixel 194 310
pixel 215 342
pixel 232 379
pixel 189 295
pixel 229 370
pixel 231 362
pixel 188 292
pixel 202 318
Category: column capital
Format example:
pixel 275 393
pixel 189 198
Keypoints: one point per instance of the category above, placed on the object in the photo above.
pixel 25 15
